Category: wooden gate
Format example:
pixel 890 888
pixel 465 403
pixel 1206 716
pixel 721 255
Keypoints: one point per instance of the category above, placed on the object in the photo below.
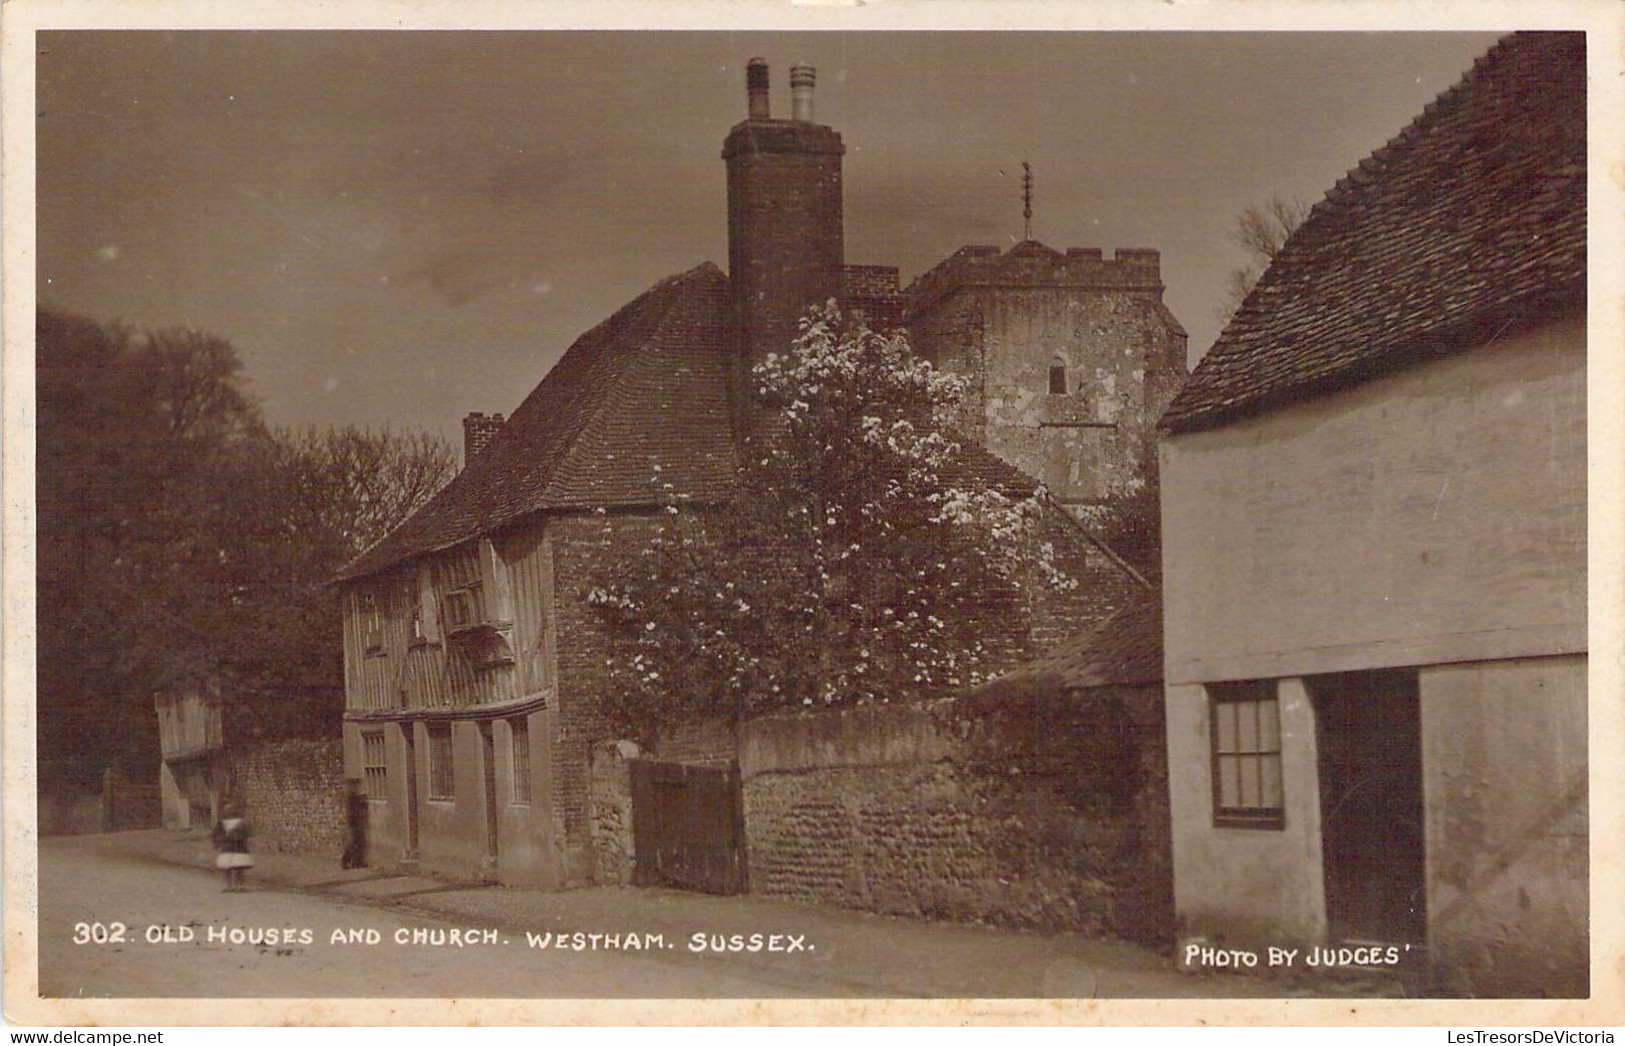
pixel 688 827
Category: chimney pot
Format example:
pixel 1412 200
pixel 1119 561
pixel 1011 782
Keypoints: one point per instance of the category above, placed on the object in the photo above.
pixel 802 78
pixel 756 84
pixel 478 432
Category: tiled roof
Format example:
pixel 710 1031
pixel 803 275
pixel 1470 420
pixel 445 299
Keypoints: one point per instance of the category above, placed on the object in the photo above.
pixel 648 387
pixel 1124 651
pixel 1471 220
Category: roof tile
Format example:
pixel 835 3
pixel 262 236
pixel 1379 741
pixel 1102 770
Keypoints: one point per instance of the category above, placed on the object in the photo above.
pixel 1471 218
pixel 647 387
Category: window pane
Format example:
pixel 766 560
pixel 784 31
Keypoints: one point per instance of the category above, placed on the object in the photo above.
pixel 1227 726
pixel 519 731
pixel 1247 715
pixel 440 770
pixel 1269 728
pixel 1228 780
pixel 1249 781
pixel 1271 767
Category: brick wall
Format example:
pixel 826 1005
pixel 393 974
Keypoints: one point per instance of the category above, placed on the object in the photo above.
pixel 786 249
pixel 995 814
pixel 293 794
pixel 583 547
pixel 870 281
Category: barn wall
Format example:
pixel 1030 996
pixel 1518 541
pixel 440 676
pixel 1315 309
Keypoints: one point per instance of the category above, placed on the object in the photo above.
pixel 1390 524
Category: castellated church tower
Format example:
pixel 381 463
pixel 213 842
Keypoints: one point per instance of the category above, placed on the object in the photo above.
pixel 1073 358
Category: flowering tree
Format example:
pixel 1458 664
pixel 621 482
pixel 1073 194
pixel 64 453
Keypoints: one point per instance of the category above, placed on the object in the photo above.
pixel 861 558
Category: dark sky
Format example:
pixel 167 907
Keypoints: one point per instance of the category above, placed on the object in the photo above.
pixel 403 227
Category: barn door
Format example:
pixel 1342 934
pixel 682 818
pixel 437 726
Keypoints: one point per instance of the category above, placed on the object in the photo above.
pixel 688 827
pixel 1368 727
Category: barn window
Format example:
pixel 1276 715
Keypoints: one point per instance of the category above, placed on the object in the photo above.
pixel 1246 725
pixel 374 768
pixel 1057 377
pixel 519 741
pixel 441 780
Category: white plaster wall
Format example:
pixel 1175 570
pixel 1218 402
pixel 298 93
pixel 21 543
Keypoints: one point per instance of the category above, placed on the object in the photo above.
pixel 1246 887
pixel 1505 788
pixel 1436 514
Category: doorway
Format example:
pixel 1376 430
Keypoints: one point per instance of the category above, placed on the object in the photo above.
pixel 688 827
pixel 1369 734
pixel 409 750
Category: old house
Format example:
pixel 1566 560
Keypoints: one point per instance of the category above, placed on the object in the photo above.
pixel 474 668
pixel 193 776
pixel 1374 511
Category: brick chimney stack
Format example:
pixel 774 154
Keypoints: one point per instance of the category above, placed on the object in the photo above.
pixel 478 432
pixel 756 89
pixel 786 249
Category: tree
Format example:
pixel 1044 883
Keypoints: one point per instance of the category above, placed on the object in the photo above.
pixel 136 443
pixel 1261 231
pixel 179 537
pixel 860 559
pixel 351 485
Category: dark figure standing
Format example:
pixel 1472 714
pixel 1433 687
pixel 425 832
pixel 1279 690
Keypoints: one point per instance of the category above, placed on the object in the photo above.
pixel 355 823
pixel 231 834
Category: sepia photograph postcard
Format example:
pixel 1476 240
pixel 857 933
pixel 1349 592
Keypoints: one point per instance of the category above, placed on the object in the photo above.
pixel 813 514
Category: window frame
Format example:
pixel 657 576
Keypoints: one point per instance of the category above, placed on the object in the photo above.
pixel 375 775
pixel 519 754
pixel 442 783
pixel 1257 693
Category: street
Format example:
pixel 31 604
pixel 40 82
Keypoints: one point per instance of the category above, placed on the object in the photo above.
pixel 142 914
pixel 82 885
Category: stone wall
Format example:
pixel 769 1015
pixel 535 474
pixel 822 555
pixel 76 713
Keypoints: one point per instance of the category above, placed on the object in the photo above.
pixel 1006 320
pixel 1050 813
pixel 609 802
pixel 293 794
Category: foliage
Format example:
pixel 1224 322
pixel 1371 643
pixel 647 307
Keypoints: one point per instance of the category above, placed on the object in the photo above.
pixel 350 486
pixel 180 539
pixel 860 560
pixel 1130 524
pixel 1261 231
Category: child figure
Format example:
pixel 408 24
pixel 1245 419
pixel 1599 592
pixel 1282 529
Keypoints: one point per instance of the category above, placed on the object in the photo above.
pixel 231 841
